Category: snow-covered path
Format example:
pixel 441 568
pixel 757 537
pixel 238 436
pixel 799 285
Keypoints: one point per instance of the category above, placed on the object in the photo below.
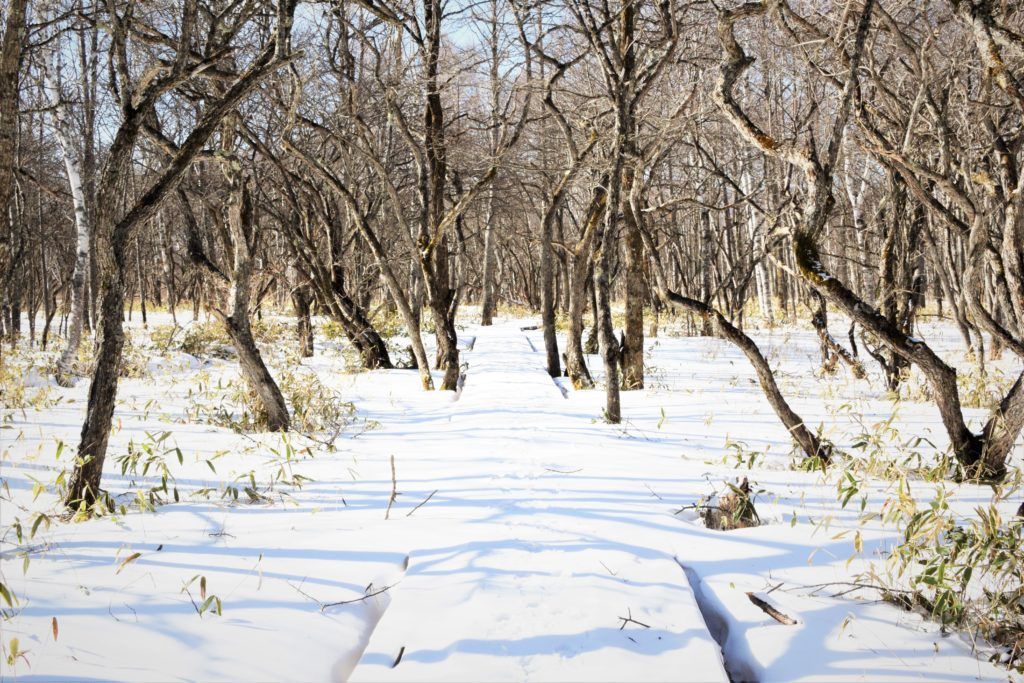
pixel 528 599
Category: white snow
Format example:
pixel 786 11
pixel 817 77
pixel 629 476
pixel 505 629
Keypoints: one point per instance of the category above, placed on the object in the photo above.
pixel 553 547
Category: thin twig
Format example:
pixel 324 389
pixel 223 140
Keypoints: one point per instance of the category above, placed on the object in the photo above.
pixel 552 469
pixel 375 593
pixel 302 592
pixel 652 492
pixel 630 620
pixel 409 514
pixel 394 489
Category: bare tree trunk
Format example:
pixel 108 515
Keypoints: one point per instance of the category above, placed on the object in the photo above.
pixel 301 300
pixel 167 259
pixel 236 318
pixel 580 292
pixel 547 296
pixel 809 443
pixel 113 233
pixel 73 169
pixel 707 265
pixel 636 293
pixel 397 292
pixel 84 484
pixel 761 280
pixel 141 277
pixel 11 46
pixel 489 304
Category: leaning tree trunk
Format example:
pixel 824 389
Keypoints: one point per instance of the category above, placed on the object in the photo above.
pixel 373 351
pixel 84 485
pixel 236 319
pixel 715 323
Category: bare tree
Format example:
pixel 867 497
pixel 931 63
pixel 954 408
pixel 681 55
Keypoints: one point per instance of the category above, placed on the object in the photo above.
pixel 116 226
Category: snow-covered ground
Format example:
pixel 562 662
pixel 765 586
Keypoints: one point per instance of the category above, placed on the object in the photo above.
pixel 529 540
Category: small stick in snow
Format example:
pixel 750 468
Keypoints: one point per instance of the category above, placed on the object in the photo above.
pixel 399 657
pixel 630 620
pixel 421 504
pixel 768 609
pixel 355 600
pixel 552 469
pixel 302 592
pixel 394 489
pixel 652 492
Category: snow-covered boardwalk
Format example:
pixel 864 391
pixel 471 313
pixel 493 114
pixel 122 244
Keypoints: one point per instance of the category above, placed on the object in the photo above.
pixel 514 597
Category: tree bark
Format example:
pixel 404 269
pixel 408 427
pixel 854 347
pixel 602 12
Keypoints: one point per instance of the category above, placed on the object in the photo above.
pixel 73 170
pixel 636 293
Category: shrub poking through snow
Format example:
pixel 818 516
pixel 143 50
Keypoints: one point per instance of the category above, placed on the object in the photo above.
pixel 731 509
pixel 966 573
pixel 204 340
pixel 315 408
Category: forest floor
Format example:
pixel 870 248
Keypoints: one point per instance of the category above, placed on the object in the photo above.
pixel 528 540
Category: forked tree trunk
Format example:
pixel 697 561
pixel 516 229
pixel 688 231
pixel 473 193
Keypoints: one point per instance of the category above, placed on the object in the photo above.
pixel 575 363
pixel 581 291
pixel 447 344
pixel 831 350
pixel 236 319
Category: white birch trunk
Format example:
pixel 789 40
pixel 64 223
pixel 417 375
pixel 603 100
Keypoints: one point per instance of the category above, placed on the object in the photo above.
pixel 764 299
pixel 73 168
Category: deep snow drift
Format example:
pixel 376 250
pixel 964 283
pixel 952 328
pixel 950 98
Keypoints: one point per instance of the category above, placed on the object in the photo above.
pixel 528 540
